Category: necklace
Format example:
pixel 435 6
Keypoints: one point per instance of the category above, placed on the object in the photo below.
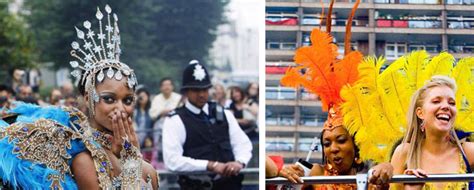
pixel 329 170
pixel 103 139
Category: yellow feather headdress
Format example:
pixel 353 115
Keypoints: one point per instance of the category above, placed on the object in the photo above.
pixel 376 105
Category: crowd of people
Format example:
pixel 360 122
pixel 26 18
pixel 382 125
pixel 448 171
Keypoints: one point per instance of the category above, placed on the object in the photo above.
pixel 112 133
pixel 150 110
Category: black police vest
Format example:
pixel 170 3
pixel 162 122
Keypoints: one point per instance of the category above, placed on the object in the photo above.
pixel 206 139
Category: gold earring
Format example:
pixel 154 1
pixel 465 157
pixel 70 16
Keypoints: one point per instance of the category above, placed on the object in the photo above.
pixel 357 160
pixel 422 126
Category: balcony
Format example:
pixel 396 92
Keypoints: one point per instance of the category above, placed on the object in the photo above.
pixel 280 63
pixel 280 93
pixel 312 120
pixel 277 54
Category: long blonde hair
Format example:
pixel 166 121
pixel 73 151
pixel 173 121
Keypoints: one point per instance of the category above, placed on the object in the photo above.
pixel 414 135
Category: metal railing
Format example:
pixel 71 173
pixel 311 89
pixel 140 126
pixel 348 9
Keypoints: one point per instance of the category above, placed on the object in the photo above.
pixel 361 179
pixel 168 179
pixel 243 171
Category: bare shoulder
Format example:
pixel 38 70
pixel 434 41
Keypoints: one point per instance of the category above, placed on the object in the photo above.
pixel 84 172
pixel 399 158
pixel 317 170
pixel 401 150
pixel 148 170
pixel 468 148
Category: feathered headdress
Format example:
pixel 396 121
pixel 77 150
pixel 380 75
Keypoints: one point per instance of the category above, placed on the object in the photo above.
pixel 320 72
pixel 382 121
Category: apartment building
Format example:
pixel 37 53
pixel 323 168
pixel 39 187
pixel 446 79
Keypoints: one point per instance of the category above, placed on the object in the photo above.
pixel 388 28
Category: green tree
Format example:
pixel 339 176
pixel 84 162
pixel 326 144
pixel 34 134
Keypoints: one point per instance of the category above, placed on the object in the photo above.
pixel 16 47
pixel 159 37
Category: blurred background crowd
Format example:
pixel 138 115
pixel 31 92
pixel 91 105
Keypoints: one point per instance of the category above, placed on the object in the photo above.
pixel 150 111
pixel 158 38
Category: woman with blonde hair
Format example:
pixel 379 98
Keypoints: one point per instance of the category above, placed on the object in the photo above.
pixel 431 145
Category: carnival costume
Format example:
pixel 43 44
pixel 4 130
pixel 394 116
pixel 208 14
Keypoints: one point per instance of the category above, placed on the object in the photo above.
pixel 380 124
pixel 38 148
pixel 321 71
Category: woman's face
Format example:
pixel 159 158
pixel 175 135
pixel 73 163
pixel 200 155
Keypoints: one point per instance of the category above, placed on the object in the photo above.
pixel 142 98
pixel 253 89
pixel 219 92
pixel 236 95
pixel 438 110
pixel 114 95
pixel 339 149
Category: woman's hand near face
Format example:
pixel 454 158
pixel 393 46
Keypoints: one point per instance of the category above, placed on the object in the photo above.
pixel 292 173
pixel 122 128
pixel 381 175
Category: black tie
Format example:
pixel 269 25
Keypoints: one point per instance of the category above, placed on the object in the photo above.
pixel 204 117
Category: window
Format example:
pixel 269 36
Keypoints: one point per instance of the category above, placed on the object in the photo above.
pixel 279 144
pixel 428 48
pixel 468 49
pixel 340 47
pixel 280 115
pixel 312 120
pixel 431 48
pixel 288 46
pixel 273 45
pixel 281 45
pixel 395 50
pixel 280 93
pixel 305 144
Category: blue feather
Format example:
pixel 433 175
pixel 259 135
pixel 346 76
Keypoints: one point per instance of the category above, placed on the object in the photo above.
pixel 26 174
pixel 3 124
pixel 30 113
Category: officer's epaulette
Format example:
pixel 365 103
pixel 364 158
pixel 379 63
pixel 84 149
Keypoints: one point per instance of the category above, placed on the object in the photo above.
pixel 171 113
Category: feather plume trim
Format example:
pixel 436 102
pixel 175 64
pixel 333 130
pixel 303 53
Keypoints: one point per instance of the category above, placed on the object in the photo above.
pixel 320 72
pixel 389 94
pixel 464 76
pixel 415 66
pixel 25 173
pixel 368 120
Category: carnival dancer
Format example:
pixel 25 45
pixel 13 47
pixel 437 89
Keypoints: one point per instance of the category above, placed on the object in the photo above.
pixel 439 106
pixel 340 153
pixel 203 136
pixel 61 148
pixel 431 144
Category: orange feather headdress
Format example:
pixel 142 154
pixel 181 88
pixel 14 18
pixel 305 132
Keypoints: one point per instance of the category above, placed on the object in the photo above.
pixel 320 72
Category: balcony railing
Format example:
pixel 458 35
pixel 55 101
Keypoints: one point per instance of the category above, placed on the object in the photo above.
pixel 280 93
pixel 287 120
pixel 461 48
pixel 312 121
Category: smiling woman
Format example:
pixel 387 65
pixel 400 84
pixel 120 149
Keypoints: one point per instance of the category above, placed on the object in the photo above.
pixel 431 142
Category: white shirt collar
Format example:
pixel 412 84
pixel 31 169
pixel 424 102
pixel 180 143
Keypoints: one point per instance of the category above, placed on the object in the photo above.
pixel 195 109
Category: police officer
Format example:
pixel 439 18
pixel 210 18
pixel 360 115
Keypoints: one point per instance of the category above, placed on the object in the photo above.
pixel 202 136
